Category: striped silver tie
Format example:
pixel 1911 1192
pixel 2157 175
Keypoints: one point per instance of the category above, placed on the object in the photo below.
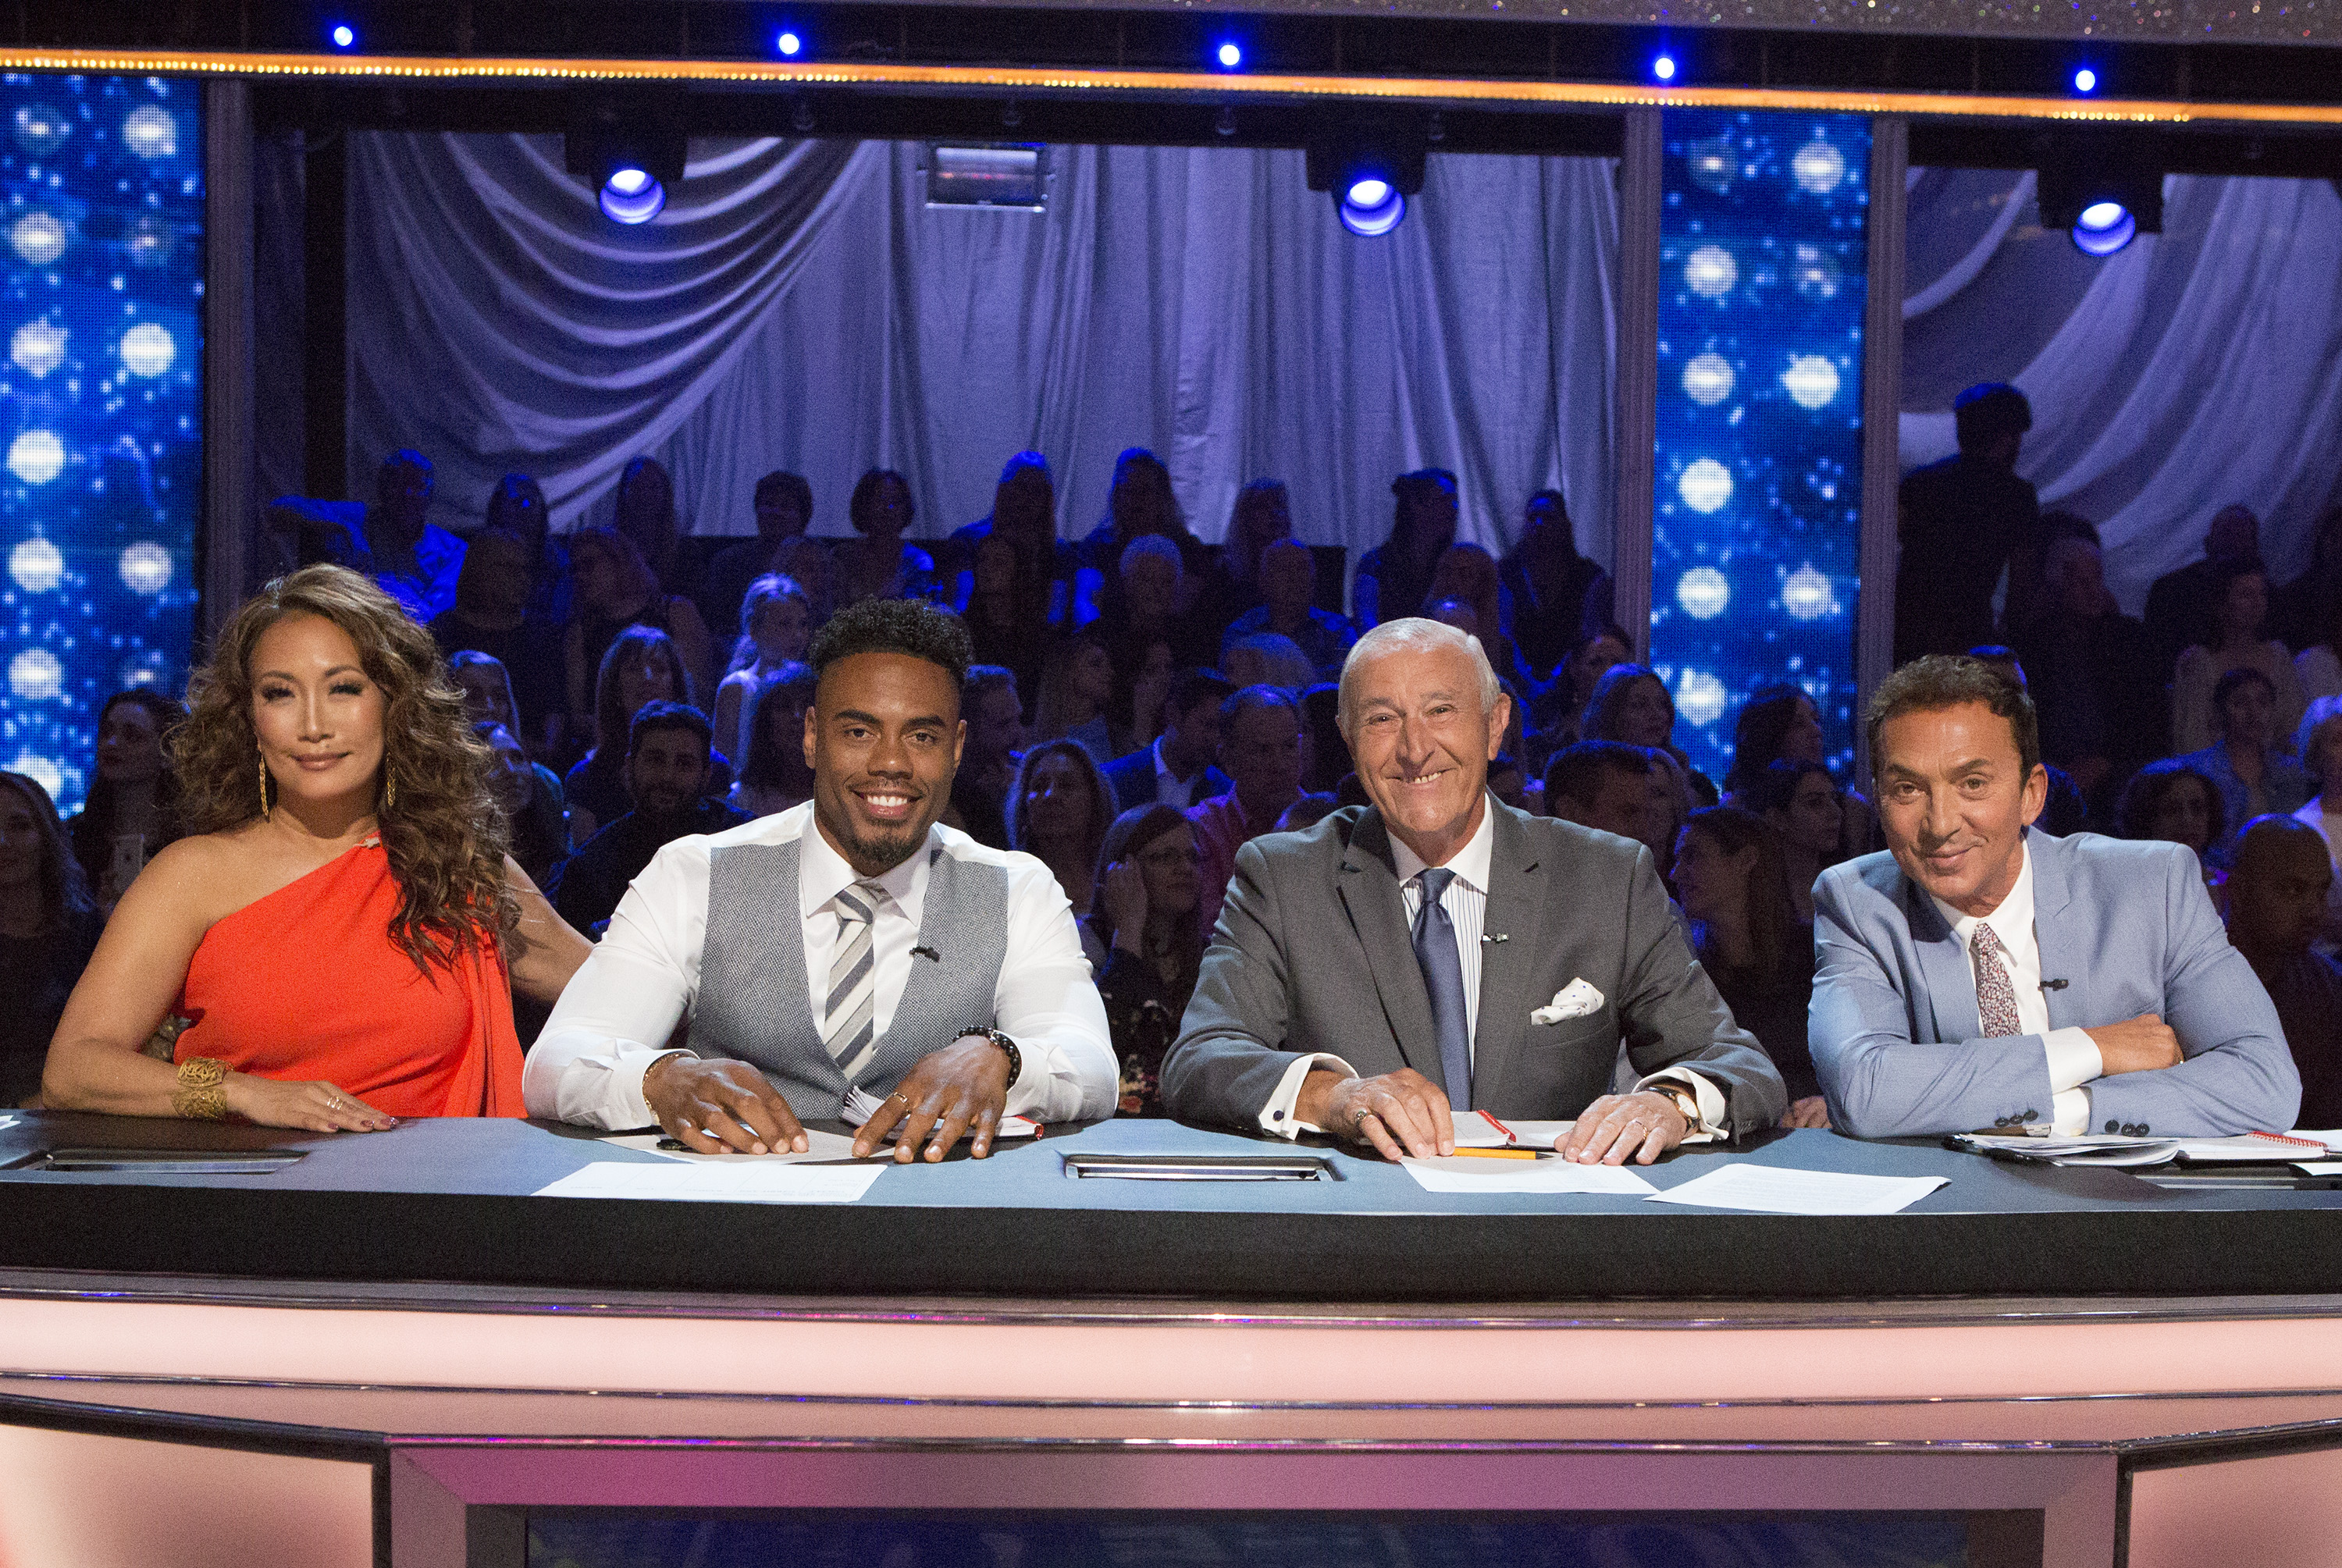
pixel 846 1029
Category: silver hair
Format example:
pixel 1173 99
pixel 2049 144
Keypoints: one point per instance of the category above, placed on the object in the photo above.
pixel 1147 545
pixel 1415 631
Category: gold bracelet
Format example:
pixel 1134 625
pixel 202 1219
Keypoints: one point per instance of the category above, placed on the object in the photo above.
pixel 200 1097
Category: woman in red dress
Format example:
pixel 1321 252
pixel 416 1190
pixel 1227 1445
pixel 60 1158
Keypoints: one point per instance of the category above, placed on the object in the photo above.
pixel 342 931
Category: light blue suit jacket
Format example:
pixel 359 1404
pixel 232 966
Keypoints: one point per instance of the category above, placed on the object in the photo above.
pixel 2130 930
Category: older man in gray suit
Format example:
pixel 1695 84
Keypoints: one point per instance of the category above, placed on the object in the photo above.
pixel 1439 949
pixel 1981 975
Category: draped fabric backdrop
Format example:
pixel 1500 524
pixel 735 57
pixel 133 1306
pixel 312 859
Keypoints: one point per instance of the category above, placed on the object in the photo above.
pixel 797 305
pixel 2192 369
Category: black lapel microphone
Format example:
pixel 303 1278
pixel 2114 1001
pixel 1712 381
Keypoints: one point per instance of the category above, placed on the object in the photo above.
pixel 2055 984
pixel 923 951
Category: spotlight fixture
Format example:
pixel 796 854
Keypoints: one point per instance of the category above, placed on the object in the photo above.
pixel 1369 167
pixel 630 172
pixel 343 35
pixel 1230 54
pixel 2102 203
pixel 2086 80
pixel 789 44
pixel 1664 67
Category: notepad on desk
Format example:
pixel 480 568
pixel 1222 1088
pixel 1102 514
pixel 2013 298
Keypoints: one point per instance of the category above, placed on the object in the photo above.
pixel 1480 1130
pixel 2134 1153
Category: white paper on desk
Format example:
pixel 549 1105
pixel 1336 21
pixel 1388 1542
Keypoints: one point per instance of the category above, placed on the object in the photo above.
pixel 1463 1174
pixel 749 1181
pixel 819 1146
pixel 2318 1167
pixel 1475 1131
pixel 1768 1189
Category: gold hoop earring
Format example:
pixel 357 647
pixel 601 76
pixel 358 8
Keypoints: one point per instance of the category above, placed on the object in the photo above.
pixel 263 786
pixel 390 791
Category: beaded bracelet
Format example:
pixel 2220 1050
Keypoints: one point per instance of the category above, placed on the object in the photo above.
pixel 200 1097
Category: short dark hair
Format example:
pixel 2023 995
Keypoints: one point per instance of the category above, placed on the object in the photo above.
pixel 1196 685
pixel 865 499
pixel 983 678
pixel 653 716
pixel 908 626
pixel 1774 787
pixel 1941 681
pixel 1575 772
pixel 2142 801
pixel 2242 675
pixel 1988 409
pixel 780 482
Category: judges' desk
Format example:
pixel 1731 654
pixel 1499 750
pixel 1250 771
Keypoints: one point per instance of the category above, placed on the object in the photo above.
pixel 387 1350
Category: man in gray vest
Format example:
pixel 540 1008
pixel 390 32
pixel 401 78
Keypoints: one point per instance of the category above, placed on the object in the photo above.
pixel 851 954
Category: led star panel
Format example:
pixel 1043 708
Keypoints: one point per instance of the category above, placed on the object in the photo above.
pixel 101 290
pixel 1758 514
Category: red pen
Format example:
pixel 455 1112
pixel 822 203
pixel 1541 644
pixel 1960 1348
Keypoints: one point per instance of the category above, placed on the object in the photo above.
pixel 1509 1135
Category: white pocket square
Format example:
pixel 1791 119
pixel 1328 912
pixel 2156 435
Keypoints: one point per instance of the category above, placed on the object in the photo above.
pixel 1574 1000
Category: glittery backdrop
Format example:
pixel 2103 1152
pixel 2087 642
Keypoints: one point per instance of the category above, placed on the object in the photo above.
pixel 1762 261
pixel 101 286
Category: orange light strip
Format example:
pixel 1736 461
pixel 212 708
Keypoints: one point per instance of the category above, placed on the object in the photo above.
pixel 1587 94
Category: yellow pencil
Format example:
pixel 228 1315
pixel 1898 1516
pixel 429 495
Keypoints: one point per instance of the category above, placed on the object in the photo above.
pixel 1500 1153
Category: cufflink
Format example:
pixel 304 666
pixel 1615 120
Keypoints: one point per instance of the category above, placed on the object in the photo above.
pixel 2000 1121
pixel 1276 1115
pixel 2113 1126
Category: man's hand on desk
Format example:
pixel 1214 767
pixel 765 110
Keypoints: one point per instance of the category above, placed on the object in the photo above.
pixel 962 1088
pixel 1643 1126
pixel 1401 1112
pixel 720 1107
pixel 2142 1045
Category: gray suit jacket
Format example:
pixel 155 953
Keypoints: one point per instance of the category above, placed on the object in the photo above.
pixel 1312 954
pixel 2129 929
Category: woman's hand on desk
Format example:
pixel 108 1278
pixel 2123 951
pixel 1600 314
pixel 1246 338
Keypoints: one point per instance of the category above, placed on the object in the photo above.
pixel 312 1106
pixel 720 1107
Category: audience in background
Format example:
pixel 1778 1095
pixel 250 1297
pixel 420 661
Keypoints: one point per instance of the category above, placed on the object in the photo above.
pixel 2318 668
pixel 877 562
pixel 614 589
pixel 2181 603
pixel 2086 661
pixel 517 507
pixel 1776 724
pixel 133 809
pixel 1799 802
pixel 2232 639
pixel 1262 752
pixel 1560 709
pixel 1261 517
pixel 1393 578
pixel 1077 686
pixel 783 507
pixel 1731 882
pixel 1139 502
pixel 1058 812
pixel 1266 659
pixel 775 626
pixel 2321 754
pixel 1306 812
pixel 2303 612
pixel 1150 598
pixel 2171 801
pixel 1959 519
pixel 2064 813
pixel 2279 894
pixel 1137 715
pixel 646 516
pixel 1467 574
pixel 995 718
pixel 2247 763
pixel 1176 769
pixel 639 668
pixel 1329 750
pixel 1288 583
pixel 1559 597
pixel 1024 517
pixel 1509 781
pixel 49 926
pixel 1145 943
pixel 668 749
pixel 1632 706
pixel 1004 611
pixel 411 559
pixel 773 775
pixel 491 616
pixel 1602 784
pixel 531 799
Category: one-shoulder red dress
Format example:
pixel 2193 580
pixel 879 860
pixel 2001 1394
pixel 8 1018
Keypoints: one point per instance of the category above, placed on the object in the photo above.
pixel 307 983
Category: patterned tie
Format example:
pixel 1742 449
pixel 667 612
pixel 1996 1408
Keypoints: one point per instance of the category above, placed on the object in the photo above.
pixel 1443 977
pixel 1996 997
pixel 847 1029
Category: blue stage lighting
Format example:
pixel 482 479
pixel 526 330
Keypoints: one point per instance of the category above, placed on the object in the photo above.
pixel 344 35
pixel 1230 54
pixel 1371 206
pixel 631 195
pixel 2104 228
pixel 2086 80
pixel 788 44
pixel 1664 67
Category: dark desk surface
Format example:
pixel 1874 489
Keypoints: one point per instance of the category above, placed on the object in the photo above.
pixel 450 1201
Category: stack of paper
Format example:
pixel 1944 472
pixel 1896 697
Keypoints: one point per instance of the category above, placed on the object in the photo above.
pixel 737 1181
pixel 2245 1148
pixel 1463 1174
pixel 1480 1130
pixel 1770 1190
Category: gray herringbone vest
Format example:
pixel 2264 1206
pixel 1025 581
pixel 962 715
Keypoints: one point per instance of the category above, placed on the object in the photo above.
pixel 752 1004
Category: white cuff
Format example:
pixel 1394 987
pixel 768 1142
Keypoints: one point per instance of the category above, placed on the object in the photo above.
pixel 2069 1112
pixel 631 1065
pixel 2073 1059
pixel 1278 1118
pixel 1712 1105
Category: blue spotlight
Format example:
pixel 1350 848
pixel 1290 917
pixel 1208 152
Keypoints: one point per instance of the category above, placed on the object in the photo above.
pixel 1664 67
pixel 788 44
pixel 344 35
pixel 632 196
pixel 1371 206
pixel 1230 54
pixel 2086 80
pixel 2104 228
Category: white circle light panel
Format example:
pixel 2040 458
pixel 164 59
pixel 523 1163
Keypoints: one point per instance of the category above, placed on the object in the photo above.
pixel 1711 271
pixel 36 456
pixel 1703 591
pixel 148 350
pixel 145 568
pixel 1704 485
pixel 37 565
pixel 1810 381
pixel 1708 379
pixel 35 676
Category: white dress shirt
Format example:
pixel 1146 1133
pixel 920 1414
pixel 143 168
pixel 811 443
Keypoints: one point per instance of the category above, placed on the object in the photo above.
pixel 615 1016
pixel 1466 900
pixel 2072 1055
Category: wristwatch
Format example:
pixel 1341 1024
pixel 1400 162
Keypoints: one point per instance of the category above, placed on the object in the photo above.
pixel 1016 1057
pixel 1685 1101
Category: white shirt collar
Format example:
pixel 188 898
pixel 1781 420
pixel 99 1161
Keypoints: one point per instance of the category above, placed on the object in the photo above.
pixel 2012 923
pixel 823 873
pixel 1469 863
pixel 1162 768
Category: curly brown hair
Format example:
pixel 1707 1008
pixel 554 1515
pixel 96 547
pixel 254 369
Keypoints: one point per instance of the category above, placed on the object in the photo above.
pixel 445 836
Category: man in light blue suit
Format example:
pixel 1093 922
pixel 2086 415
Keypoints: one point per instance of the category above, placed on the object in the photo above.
pixel 1981 975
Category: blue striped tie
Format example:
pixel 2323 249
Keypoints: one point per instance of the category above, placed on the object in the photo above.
pixel 1443 977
